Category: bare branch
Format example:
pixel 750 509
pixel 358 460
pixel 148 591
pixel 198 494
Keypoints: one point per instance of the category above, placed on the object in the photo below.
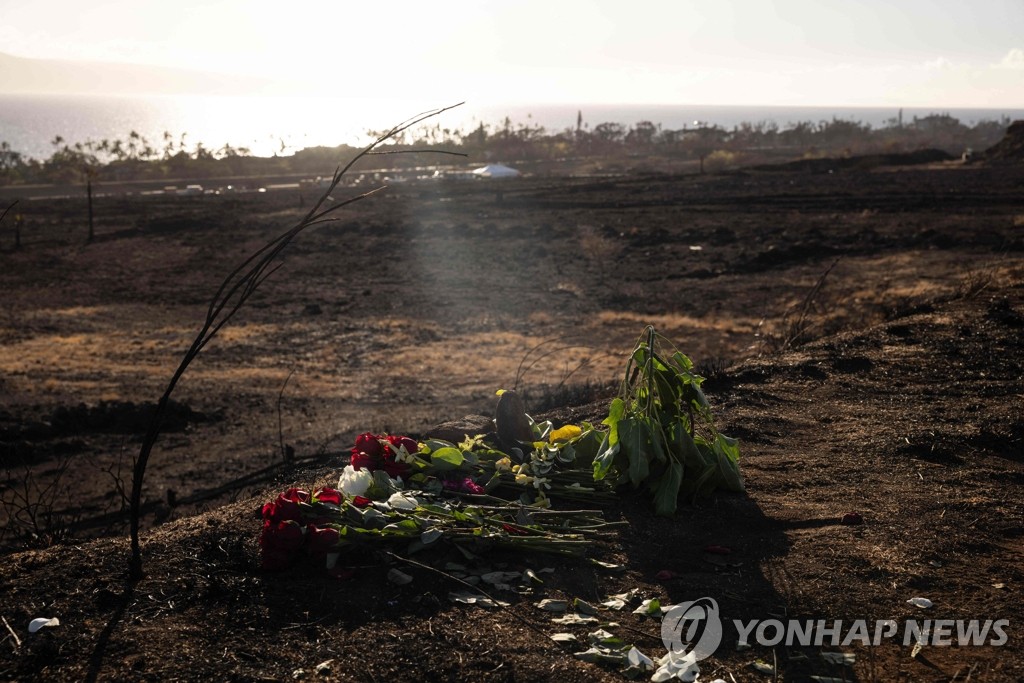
pixel 240 284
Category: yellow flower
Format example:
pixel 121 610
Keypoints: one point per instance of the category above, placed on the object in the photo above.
pixel 505 465
pixel 523 479
pixel 566 433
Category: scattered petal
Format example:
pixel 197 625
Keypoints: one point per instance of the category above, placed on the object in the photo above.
pixel 627 596
pixel 467 598
pixel 763 667
pixel 639 660
pixel 923 603
pixel 402 501
pixel 550 605
pixel 600 636
pixel 677 665
pixel 596 655
pixel 531 576
pixel 564 638
pixel 583 607
pixel 42 622
pixel 324 668
pixel 571 619
pixel 649 607
pixel 608 565
pixel 840 658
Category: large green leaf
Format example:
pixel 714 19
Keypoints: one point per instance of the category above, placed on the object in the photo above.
pixel 447 458
pixel 615 413
pixel 605 457
pixel 686 448
pixel 728 452
pixel 635 437
pixel 666 492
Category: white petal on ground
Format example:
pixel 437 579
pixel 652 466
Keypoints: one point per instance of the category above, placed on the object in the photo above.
pixel 402 501
pixel 677 665
pixel 923 603
pixel 639 660
pixel 42 622
pixel 550 605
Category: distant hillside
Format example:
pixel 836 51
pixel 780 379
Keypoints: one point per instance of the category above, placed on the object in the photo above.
pixel 1011 148
pixel 38 76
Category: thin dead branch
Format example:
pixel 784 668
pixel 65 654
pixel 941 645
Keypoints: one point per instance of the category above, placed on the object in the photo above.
pixel 236 289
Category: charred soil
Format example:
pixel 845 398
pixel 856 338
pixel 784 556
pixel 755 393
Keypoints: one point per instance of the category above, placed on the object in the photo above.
pixel 860 332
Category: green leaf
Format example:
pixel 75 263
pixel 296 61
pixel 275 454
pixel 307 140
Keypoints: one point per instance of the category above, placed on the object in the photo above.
pixel 587 446
pixel 728 452
pixel 605 457
pixel 666 492
pixel 616 411
pixel 685 448
pixel 447 458
pixel 635 436
pixel 682 361
pixel 657 438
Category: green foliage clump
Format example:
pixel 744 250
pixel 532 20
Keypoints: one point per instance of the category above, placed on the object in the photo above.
pixel 661 436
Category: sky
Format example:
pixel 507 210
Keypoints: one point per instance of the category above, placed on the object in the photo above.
pixel 929 53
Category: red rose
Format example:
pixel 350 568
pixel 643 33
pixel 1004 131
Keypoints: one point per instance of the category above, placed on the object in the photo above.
pixel 278 543
pixel 361 460
pixel 286 507
pixel 322 541
pixel 329 495
pixel 361 502
pixel 370 444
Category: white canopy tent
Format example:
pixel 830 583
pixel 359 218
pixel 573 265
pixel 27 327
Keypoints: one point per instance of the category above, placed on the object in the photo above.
pixel 495 171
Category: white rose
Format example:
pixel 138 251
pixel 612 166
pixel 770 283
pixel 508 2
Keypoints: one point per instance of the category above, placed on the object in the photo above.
pixel 355 482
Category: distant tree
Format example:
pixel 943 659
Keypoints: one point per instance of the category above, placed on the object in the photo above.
pixel 704 140
pixel 642 134
pixel 12 164
pixel 609 133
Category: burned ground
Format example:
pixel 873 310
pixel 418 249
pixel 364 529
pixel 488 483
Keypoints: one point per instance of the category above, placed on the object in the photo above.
pixel 860 332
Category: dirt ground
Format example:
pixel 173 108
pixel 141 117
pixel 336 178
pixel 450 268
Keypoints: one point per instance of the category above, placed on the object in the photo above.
pixel 860 331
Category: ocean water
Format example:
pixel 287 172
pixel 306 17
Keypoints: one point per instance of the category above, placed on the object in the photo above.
pixel 275 125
